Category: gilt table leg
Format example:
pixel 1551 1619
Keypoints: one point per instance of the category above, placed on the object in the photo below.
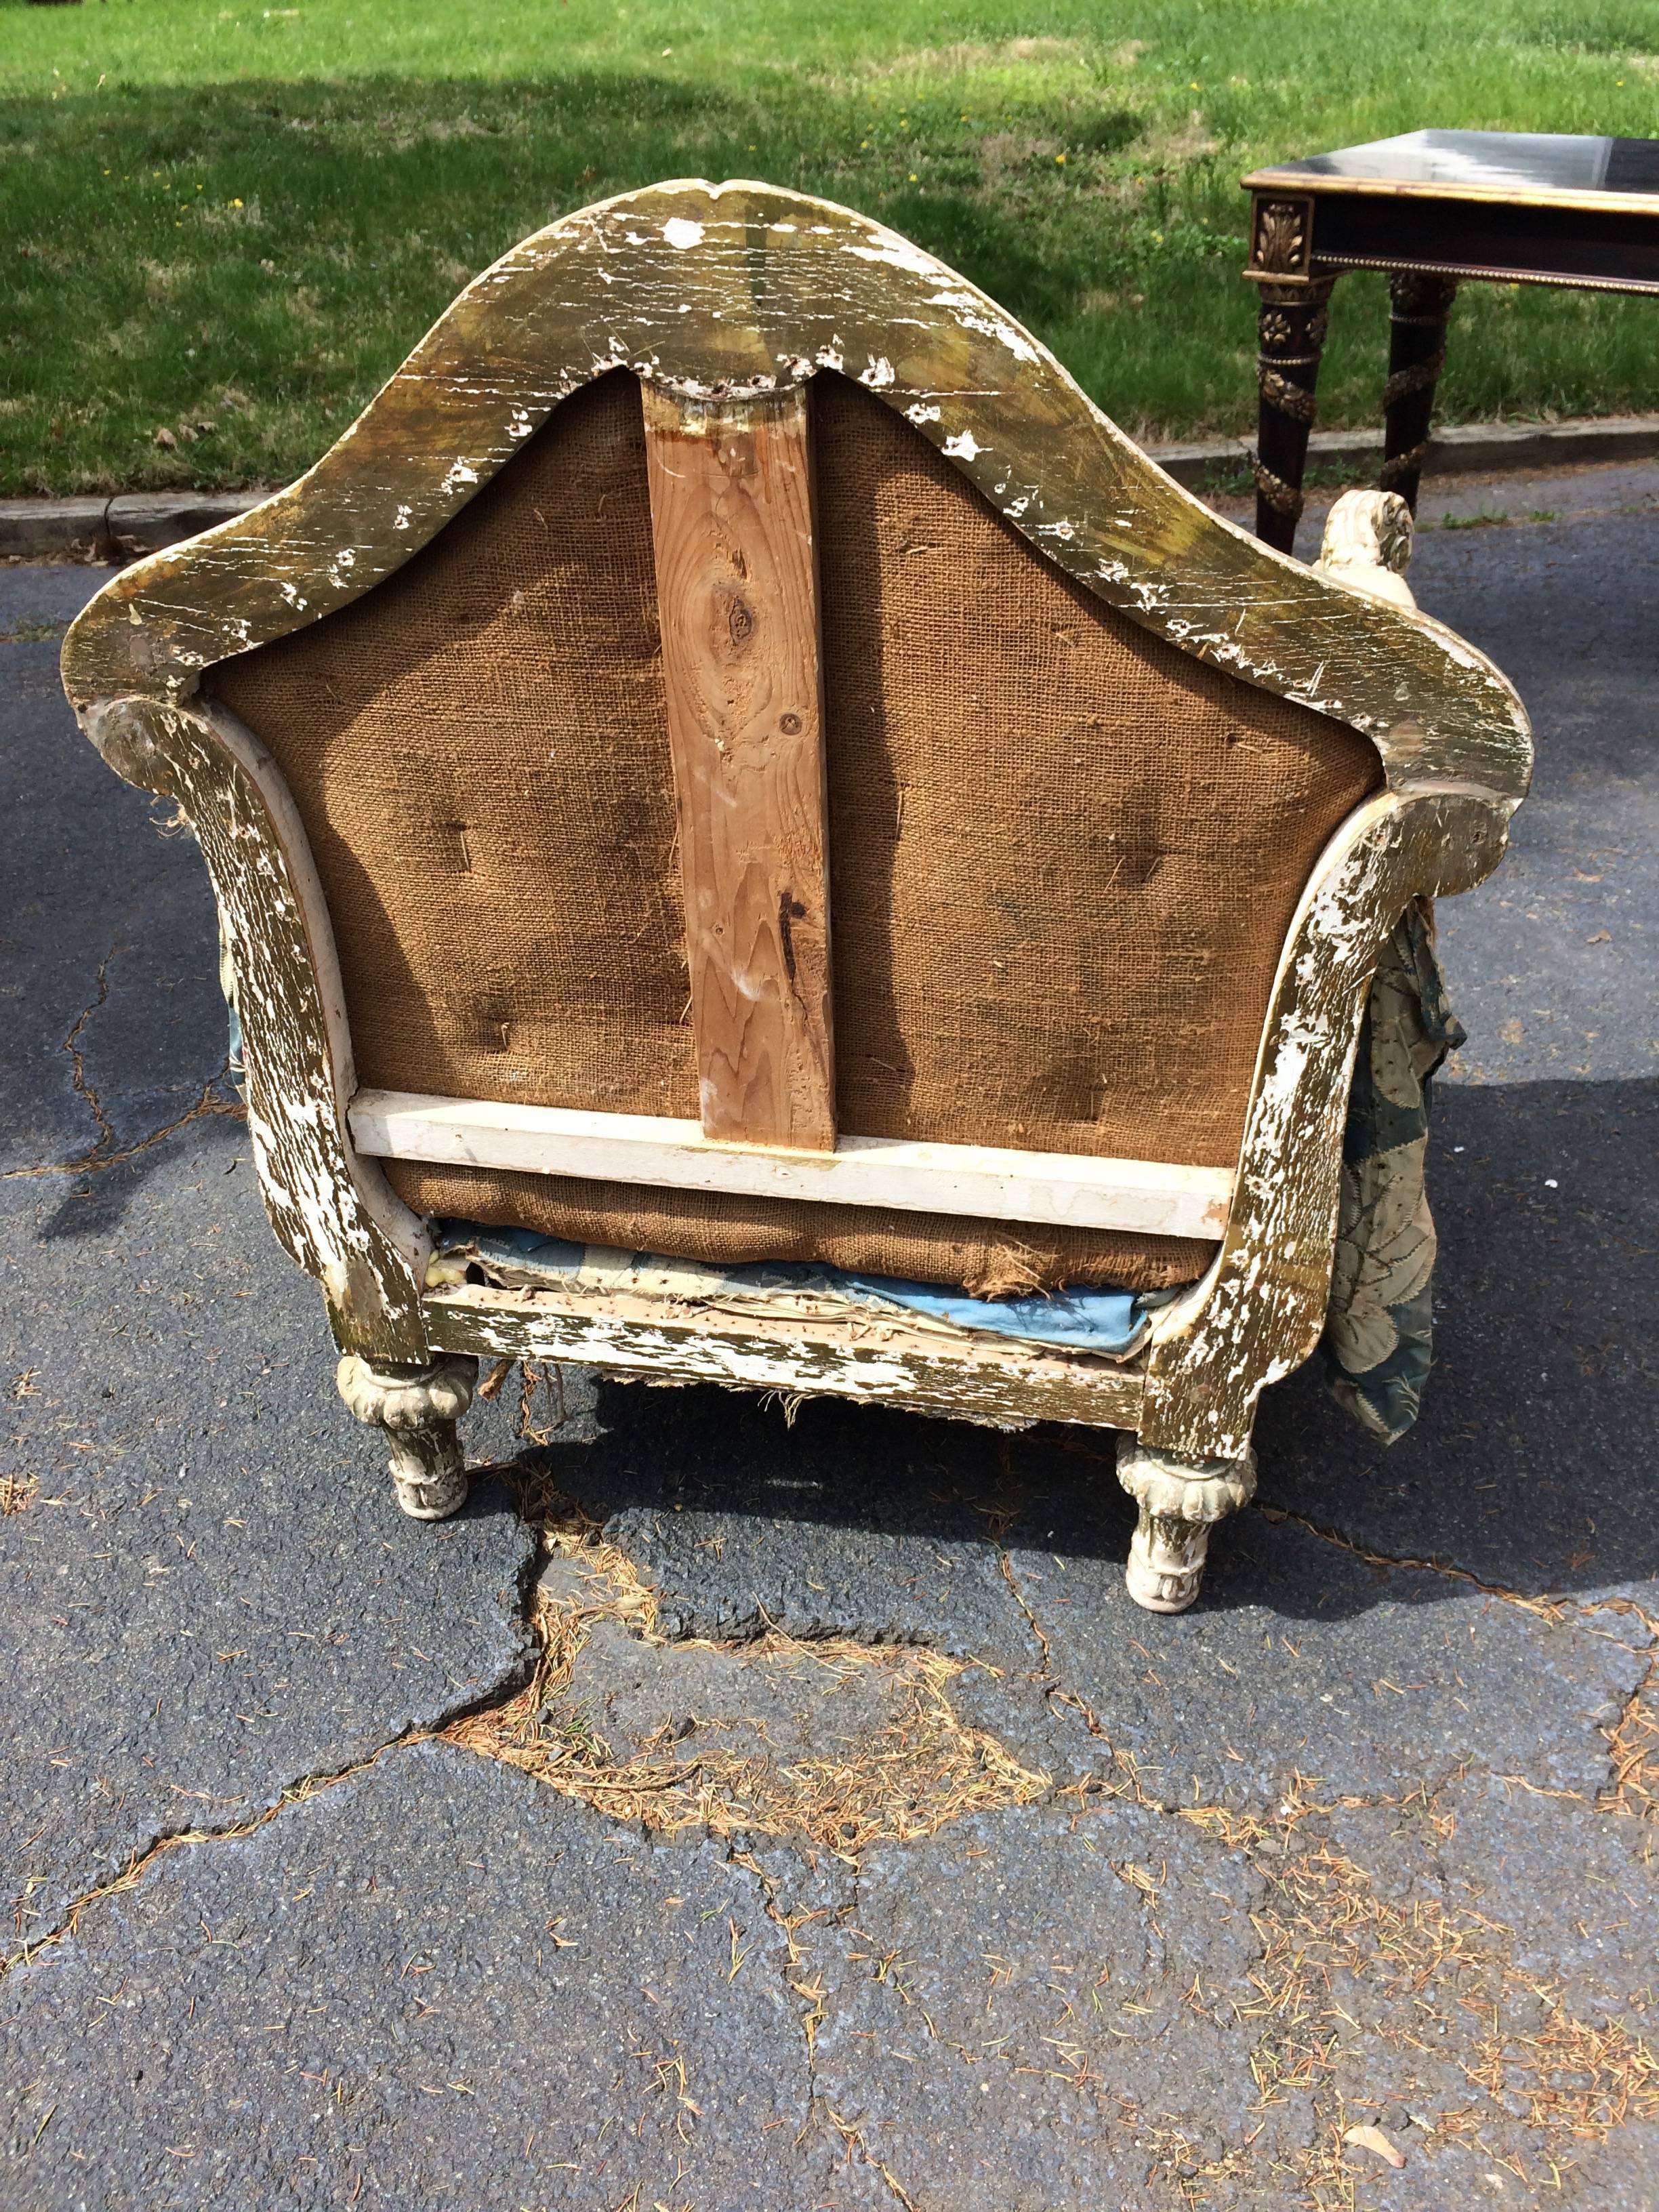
pixel 1290 324
pixel 1417 308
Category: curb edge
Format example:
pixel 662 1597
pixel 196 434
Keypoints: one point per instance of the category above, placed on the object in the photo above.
pixel 127 524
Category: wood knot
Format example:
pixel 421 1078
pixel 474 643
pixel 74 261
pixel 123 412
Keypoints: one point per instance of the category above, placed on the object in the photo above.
pixel 739 622
pixel 790 909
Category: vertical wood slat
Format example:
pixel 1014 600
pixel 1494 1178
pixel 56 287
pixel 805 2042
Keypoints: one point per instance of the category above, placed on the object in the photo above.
pixel 737 589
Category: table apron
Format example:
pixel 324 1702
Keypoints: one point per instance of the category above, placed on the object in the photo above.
pixel 1488 242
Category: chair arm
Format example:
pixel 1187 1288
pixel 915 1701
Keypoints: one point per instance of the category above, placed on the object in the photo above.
pixel 1258 1311
pixel 334 1212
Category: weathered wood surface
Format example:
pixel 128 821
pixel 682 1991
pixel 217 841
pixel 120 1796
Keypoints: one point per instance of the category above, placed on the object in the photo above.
pixel 334 1213
pixel 418 1410
pixel 717 292
pixel 1067 1190
pixel 716 296
pixel 1179 1500
pixel 1260 1310
pixel 737 593
pixel 994 1382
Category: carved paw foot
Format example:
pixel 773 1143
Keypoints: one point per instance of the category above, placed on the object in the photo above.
pixel 1180 1501
pixel 418 1408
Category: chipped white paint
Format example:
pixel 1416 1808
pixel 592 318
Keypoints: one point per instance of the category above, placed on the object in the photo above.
pixel 524 335
pixel 1180 1501
pixel 1367 544
pixel 1260 1310
pixel 1255 613
pixel 418 1413
pixel 335 1214
pixel 894 253
pixel 976 312
pixel 990 1380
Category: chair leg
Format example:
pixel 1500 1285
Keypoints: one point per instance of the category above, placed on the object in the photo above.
pixel 418 1408
pixel 1181 1499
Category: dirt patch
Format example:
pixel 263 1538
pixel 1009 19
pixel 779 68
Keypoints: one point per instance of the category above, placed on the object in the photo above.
pixel 1178 147
pixel 840 1743
pixel 968 57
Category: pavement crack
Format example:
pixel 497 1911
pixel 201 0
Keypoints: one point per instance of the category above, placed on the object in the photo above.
pixel 852 2136
pixel 1551 1609
pixel 96 1162
pixel 1632 1741
pixel 295 1793
pixel 1031 1620
pixel 794 1958
pixel 77 1062
pixel 1634 1751
pixel 1559 1611
pixel 1128 1780
pixel 909 1765
pixel 298 1793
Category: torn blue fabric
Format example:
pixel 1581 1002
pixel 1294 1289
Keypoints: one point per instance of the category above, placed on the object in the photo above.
pixel 1106 1321
pixel 1083 1320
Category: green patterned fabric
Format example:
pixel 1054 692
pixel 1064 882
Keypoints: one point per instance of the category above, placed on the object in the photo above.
pixel 1379 1325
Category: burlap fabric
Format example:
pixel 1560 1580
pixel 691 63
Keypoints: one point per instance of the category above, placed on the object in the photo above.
pixel 1064 855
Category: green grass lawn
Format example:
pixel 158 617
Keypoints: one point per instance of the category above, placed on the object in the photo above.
pixel 222 226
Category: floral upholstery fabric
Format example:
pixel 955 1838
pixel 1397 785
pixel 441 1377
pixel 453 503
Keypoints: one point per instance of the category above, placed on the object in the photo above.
pixel 1378 1327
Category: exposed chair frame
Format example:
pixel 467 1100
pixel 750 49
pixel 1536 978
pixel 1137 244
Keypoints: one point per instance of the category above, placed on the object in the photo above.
pixel 725 301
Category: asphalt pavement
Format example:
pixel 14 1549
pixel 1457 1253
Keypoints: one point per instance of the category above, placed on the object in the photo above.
pixel 728 1812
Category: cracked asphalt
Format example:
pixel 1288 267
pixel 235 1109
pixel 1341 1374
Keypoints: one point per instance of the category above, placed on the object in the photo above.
pixel 725 1813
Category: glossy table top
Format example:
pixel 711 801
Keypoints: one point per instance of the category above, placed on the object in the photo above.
pixel 1509 165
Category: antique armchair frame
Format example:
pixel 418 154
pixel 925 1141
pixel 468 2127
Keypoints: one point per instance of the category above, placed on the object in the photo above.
pixel 725 301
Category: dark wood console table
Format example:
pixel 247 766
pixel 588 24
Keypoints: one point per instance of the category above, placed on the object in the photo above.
pixel 1434 209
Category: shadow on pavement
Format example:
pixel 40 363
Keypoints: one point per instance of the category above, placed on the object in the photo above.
pixel 1542 1405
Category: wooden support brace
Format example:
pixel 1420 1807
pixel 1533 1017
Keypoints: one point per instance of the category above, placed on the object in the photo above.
pixel 737 587
pixel 1153 1198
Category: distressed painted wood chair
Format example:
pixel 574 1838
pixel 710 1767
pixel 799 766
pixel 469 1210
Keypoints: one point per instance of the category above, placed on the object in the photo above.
pixel 723 579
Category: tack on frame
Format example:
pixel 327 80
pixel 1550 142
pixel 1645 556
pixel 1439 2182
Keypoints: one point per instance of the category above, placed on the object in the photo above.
pixel 725 301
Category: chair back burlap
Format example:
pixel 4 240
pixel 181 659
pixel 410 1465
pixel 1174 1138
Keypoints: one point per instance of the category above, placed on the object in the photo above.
pixel 1064 855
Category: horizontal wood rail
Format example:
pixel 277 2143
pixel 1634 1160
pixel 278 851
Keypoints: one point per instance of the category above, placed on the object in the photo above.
pixel 1062 1189
pixel 970 1377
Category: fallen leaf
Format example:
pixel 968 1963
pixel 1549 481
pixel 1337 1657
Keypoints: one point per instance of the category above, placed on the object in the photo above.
pixel 1374 2139
pixel 1601 937
pixel 165 437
